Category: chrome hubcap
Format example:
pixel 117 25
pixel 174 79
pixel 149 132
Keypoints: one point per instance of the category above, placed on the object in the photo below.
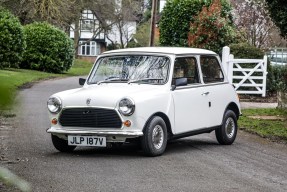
pixel 230 127
pixel 157 137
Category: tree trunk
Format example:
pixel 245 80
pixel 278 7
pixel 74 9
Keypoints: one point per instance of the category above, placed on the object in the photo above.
pixel 282 99
pixel 77 36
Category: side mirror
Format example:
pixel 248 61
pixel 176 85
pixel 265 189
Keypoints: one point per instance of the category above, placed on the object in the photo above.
pixel 82 81
pixel 179 82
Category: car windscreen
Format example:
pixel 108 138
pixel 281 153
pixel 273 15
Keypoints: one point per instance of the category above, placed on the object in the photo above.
pixel 147 69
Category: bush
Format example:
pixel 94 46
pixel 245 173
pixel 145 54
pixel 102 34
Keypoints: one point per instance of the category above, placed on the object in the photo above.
pixel 48 49
pixel 277 79
pixel 176 17
pixel 210 30
pixel 12 43
pixel 246 51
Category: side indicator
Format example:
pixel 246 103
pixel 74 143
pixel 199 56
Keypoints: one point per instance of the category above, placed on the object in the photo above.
pixel 127 123
pixel 54 121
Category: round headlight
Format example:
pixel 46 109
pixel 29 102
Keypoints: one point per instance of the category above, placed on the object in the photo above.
pixel 126 107
pixel 54 104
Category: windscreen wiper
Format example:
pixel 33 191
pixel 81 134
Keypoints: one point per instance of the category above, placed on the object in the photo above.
pixel 112 80
pixel 144 79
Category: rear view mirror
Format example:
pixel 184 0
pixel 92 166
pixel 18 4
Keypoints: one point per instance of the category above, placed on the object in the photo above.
pixel 82 81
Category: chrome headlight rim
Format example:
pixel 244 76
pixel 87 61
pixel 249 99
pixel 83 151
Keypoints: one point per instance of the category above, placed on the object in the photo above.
pixel 126 106
pixel 54 104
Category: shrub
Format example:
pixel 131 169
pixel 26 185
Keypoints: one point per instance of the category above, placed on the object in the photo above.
pixel 277 79
pixel 210 30
pixel 12 43
pixel 246 51
pixel 48 49
pixel 177 16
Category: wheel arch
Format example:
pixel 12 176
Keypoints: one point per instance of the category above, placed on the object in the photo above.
pixel 166 120
pixel 233 106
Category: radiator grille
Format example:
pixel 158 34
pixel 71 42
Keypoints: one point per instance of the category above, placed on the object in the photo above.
pixel 90 117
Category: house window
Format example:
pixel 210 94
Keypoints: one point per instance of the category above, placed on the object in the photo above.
pixel 91 48
pixel 87 21
pixel 87 25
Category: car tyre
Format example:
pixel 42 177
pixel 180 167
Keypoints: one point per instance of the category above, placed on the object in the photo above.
pixel 227 132
pixel 62 144
pixel 154 140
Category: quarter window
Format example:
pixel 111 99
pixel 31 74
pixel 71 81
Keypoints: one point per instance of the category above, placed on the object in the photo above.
pixel 211 70
pixel 186 67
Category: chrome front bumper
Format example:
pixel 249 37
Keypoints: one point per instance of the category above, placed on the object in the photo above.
pixel 126 134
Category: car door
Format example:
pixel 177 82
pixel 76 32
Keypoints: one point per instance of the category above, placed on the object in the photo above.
pixel 216 86
pixel 190 100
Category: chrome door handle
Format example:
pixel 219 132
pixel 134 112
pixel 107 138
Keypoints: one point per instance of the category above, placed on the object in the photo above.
pixel 205 93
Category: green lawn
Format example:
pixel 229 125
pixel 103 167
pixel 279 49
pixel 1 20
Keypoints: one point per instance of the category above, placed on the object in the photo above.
pixel 271 129
pixel 12 79
pixel 80 67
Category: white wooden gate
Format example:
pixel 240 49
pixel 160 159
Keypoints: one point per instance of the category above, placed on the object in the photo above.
pixel 247 75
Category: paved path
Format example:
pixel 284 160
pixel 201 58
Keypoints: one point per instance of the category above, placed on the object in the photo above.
pixel 254 105
pixel 196 163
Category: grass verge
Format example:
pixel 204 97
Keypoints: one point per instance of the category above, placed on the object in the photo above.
pixel 268 123
pixel 12 79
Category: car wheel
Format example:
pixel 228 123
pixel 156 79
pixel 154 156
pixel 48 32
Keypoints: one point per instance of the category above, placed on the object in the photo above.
pixel 154 140
pixel 226 134
pixel 62 144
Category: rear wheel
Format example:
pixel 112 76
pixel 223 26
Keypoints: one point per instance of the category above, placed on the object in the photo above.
pixel 226 134
pixel 61 144
pixel 154 140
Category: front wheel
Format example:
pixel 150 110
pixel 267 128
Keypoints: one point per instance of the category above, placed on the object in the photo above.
pixel 62 144
pixel 154 140
pixel 226 134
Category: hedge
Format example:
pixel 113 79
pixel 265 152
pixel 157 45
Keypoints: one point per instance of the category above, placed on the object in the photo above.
pixel 48 49
pixel 12 43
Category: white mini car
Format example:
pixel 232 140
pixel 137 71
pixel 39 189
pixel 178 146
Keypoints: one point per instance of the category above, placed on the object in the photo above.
pixel 146 95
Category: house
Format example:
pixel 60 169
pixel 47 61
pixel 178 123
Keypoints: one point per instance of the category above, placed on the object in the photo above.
pixel 94 34
pixel 91 37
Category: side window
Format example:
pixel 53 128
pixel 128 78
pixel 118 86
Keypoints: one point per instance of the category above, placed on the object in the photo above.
pixel 186 67
pixel 211 70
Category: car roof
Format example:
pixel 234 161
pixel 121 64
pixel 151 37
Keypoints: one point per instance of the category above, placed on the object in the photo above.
pixel 165 50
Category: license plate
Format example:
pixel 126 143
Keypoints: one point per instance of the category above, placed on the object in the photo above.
pixel 87 141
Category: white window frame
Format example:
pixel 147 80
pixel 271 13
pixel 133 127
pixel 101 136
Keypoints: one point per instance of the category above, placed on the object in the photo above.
pixel 92 46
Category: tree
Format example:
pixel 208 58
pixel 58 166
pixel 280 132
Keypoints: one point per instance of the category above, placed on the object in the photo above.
pixel 142 36
pixel 211 30
pixel 252 19
pixel 12 43
pixel 177 16
pixel 278 13
pixel 123 21
pixel 56 12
